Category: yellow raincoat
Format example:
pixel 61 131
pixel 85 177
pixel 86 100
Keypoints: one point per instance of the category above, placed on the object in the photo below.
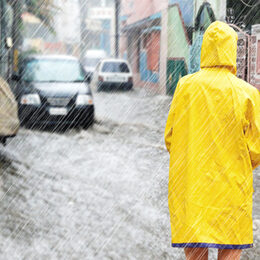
pixel 213 137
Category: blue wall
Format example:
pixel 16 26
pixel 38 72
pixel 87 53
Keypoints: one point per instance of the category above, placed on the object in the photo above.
pixel 195 50
pixel 187 8
pixel 147 75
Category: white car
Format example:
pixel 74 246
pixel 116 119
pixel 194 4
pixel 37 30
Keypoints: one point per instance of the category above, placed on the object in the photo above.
pixel 113 74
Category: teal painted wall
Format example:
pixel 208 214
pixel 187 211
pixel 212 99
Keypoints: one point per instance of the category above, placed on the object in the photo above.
pixel 178 46
pixel 178 50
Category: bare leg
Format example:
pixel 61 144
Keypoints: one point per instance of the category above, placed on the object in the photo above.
pixel 196 253
pixel 229 254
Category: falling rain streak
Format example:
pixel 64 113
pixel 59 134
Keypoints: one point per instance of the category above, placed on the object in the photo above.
pixel 86 87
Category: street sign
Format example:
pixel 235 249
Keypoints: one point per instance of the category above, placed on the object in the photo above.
pixel 101 13
pixel 94 25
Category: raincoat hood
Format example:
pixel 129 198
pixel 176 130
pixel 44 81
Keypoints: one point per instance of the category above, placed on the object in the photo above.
pixel 219 47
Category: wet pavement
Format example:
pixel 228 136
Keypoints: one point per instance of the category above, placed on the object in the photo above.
pixel 95 194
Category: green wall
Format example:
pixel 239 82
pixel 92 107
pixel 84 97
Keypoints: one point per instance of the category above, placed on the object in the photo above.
pixel 178 46
pixel 178 50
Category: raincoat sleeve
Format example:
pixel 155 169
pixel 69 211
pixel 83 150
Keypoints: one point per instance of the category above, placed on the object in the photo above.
pixel 252 128
pixel 169 123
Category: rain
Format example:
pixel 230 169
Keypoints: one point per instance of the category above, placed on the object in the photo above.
pixel 86 87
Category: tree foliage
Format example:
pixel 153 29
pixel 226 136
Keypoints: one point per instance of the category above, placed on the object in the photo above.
pixel 43 9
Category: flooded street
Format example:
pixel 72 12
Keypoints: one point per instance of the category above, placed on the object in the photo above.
pixel 95 194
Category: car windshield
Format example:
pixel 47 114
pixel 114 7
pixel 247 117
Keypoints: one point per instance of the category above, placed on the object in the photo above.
pixel 115 67
pixel 51 70
pixel 90 62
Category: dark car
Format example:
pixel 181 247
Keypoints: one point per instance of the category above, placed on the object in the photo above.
pixel 53 89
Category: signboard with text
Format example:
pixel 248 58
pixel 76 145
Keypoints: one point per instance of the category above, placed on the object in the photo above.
pixel 101 13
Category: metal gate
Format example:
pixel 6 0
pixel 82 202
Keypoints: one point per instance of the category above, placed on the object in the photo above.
pixel 176 68
pixel 244 53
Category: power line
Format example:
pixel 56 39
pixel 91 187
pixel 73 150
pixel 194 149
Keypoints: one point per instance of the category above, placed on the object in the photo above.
pixel 250 5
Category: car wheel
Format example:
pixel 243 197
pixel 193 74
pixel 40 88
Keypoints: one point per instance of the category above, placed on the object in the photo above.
pixel 23 120
pixel 88 122
pixel 128 88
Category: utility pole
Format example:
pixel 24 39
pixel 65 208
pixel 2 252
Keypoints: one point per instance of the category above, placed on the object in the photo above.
pixel 17 6
pixel 117 13
pixel 3 37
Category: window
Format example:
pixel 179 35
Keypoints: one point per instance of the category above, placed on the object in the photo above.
pixel 115 67
pixel 51 70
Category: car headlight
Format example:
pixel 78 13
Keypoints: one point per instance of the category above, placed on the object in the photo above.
pixel 84 100
pixel 30 99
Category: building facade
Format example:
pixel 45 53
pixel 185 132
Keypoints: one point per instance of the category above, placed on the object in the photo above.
pixel 141 38
pixel 100 24
pixel 157 38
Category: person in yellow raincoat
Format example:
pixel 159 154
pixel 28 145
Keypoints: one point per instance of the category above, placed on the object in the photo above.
pixel 213 137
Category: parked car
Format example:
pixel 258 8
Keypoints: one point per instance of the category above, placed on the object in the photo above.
pixel 9 122
pixel 113 74
pixel 91 60
pixel 53 89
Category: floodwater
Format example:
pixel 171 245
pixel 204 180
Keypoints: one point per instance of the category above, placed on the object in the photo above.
pixel 95 194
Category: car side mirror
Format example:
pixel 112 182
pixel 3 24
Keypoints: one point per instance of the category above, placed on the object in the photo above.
pixel 15 77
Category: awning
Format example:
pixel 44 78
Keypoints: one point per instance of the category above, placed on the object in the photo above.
pixel 143 22
pixel 151 29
